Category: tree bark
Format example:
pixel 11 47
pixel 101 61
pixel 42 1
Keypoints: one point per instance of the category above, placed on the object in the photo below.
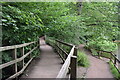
pixel 79 6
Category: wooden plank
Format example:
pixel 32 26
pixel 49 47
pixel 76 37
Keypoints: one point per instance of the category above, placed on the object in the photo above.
pixel 68 44
pixel 117 41
pixel 22 52
pixel 73 66
pixel 15 46
pixel 75 51
pixel 21 71
pixel 106 51
pixel 17 60
pixel 15 57
pixel 112 55
pixel 63 71
pixel 115 59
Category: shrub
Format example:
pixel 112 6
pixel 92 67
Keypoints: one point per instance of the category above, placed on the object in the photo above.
pixel 103 45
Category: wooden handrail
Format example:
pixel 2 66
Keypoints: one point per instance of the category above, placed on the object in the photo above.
pixel 63 71
pixel 114 60
pixel 16 60
pixel 117 41
pixel 15 46
pixel 21 71
pixel 68 44
pixel 112 55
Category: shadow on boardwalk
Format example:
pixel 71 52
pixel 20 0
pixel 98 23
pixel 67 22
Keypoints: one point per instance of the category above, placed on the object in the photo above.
pixel 98 68
pixel 47 65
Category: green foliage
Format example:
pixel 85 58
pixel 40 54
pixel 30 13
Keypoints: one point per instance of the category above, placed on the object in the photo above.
pixel 82 59
pixel 100 25
pixel 6 57
pixel 59 20
pixel 114 71
pixel 36 53
pixel 19 23
pixel 107 46
pixel 102 45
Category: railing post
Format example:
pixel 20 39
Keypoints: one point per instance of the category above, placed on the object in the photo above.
pixel 98 54
pixel 65 55
pixel 110 57
pixel 73 66
pixel 75 51
pixel 115 59
pixel 58 46
pixel 31 49
pixel 15 57
pixel 22 51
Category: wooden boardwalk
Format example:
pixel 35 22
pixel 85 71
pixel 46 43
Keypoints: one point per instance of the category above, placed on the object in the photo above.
pixel 47 65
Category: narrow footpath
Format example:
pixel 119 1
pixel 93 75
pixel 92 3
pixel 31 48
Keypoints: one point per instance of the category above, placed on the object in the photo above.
pixel 47 65
pixel 98 68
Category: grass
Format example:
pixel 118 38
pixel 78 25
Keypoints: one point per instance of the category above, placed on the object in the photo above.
pixel 114 71
pixel 82 59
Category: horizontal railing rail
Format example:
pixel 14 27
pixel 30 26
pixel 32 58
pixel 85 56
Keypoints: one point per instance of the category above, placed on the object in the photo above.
pixel 118 41
pixel 16 60
pixel 15 46
pixel 68 44
pixel 112 54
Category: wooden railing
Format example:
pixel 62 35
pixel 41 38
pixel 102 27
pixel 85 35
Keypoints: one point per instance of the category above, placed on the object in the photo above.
pixel 16 60
pixel 113 59
pixel 69 60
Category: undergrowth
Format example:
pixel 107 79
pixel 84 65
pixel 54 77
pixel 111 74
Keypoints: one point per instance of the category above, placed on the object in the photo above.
pixel 82 59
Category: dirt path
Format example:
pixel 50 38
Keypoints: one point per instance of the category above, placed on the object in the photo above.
pixel 98 68
pixel 46 66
